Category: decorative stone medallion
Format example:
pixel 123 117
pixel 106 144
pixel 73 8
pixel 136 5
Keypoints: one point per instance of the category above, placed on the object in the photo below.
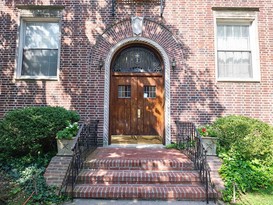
pixel 137 23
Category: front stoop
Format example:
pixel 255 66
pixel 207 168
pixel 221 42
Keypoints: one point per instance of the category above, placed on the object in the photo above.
pixel 133 173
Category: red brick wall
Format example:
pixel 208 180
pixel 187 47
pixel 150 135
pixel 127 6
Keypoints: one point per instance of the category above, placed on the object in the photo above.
pixel 195 94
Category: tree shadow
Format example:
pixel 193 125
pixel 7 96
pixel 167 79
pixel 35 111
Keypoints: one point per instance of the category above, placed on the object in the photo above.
pixel 13 93
pixel 89 31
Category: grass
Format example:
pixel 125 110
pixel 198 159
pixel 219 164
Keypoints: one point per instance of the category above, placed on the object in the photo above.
pixel 261 197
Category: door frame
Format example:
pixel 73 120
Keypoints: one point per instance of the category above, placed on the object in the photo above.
pixel 107 84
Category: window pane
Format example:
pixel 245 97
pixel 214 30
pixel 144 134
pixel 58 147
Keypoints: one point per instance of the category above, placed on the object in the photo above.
pixel 40 62
pixel 229 33
pixel 221 31
pixel 221 64
pixel 233 37
pixel 41 35
pixel 236 31
pixel 124 91
pixel 52 71
pixel 149 92
pixel 245 31
pixel 234 65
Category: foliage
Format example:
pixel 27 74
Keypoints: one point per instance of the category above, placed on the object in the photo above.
pixel 171 146
pixel 27 144
pixel 69 131
pixel 261 197
pixel 251 138
pixel 180 145
pixel 207 131
pixel 246 146
pixel 26 179
pixel 248 175
pixel 32 130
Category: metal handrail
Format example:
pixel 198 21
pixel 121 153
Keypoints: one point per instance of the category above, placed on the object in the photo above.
pixel 189 140
pixel 85 143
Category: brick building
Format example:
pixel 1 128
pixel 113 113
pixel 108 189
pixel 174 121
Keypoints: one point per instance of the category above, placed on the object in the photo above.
pixel 138 66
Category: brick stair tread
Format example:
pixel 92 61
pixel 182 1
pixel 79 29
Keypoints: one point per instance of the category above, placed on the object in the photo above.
pixel 140 191
pixel 135 153
pixel 140 164
pixel 130 176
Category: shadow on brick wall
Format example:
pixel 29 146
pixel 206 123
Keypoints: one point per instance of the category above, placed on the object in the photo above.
pixel 14 93
pixel 194 94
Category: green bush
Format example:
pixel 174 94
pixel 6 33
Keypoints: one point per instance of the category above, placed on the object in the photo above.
pixel 252 138
pixel 32 130
pixel 246 146
pixel 248 175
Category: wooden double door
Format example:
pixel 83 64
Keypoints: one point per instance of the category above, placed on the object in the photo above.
pixel 137 106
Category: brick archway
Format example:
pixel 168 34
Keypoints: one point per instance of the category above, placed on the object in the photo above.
pixel 166 62
pixel 154 34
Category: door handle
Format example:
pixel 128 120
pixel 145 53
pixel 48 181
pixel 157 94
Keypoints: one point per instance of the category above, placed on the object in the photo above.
pixel 138 113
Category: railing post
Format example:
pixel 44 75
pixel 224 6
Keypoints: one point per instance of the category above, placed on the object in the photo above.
pixel 72 170
pixel 207 181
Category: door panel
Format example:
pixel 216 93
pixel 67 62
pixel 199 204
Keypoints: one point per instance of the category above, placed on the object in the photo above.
pixel 121 107
pixel 141 113
pixel 153 112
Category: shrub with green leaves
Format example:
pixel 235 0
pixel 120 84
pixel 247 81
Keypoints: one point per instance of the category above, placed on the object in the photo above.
pixel 69 131
pixel 246 146
pixel 252 138
pixel 26 179
pixel 32 130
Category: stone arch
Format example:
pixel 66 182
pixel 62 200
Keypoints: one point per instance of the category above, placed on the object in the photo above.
pixel 153 30
pixel 154 34
pixel 166 62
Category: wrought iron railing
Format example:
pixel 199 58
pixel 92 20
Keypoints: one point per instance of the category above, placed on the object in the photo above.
pixel 85 143
pixel 189 140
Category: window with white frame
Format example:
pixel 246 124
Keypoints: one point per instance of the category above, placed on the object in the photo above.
pixel 39 48
pixel 237 46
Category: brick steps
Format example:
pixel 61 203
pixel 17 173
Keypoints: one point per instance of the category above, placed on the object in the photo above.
pixel 151 192
pixel 137 177
pixel 131 173
pixel 141 164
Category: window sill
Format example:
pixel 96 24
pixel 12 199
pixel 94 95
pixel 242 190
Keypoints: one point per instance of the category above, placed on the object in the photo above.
pixel 239 80
pixel 37 78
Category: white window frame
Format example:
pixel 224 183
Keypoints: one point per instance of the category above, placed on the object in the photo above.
pixel 240 18
pixel 21 36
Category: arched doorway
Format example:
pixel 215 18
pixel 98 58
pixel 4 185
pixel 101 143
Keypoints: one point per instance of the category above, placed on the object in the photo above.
pixel 136 96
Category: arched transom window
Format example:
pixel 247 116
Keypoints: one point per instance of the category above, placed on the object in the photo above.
pixel 137 59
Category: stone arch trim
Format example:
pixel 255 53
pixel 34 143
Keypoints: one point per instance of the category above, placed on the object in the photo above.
pixel 166 61
pixel 157 34
pixel 152 29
